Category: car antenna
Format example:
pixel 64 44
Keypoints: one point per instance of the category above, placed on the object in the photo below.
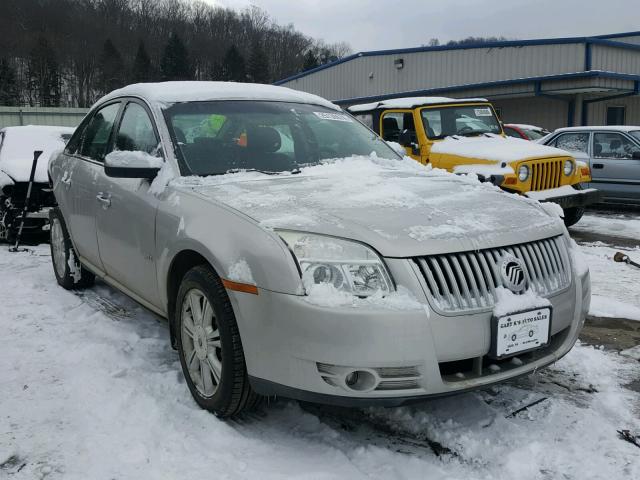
pixel 25 209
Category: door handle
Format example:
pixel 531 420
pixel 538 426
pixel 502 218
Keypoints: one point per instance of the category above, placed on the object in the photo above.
pixel 104 199
pixel 598 166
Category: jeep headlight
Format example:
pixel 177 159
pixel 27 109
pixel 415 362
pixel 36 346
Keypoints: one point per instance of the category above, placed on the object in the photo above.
pixel 568 167
pixel 523 173
pixel 349 266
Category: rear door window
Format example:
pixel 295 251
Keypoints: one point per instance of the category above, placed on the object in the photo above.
pixel 613 145
pixel 573 142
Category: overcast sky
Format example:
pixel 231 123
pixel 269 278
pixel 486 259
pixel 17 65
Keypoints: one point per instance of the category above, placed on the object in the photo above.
pixel 375 24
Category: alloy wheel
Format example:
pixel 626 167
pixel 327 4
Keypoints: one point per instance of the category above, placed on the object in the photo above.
pixel 201 342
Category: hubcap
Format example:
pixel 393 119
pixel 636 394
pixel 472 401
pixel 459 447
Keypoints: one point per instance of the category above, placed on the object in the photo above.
pixel 57 246
pixel 201 342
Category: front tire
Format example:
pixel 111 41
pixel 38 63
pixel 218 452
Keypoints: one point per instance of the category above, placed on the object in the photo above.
pixel 209 345
pixel 69 273
pixel 574 214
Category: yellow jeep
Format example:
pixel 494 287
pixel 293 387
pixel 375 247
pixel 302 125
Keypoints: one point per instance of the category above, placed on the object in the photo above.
pixel 465 136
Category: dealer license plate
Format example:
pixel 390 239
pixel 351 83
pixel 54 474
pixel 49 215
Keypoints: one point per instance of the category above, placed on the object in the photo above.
pixel 521 332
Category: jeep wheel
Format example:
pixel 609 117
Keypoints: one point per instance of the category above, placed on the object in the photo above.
pixel 209 345
pixel 66 267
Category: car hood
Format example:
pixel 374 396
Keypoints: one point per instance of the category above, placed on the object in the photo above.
pixel 402 209
pixel 496 148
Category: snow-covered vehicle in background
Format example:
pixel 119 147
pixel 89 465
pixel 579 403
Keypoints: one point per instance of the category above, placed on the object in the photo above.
pixel 465 136
pixel 296 254
pixel 17 145
pixel 523 131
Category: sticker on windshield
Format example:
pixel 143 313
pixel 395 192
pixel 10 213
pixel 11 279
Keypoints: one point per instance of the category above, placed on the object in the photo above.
pixel 336 117
pixel 483 112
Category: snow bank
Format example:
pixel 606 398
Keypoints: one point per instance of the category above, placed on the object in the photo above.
pixel 495 148
pixel 241 272
pixel 608 307
pixel 16 154
pixel 122 158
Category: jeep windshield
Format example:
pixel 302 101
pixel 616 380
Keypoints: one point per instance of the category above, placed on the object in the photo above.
pixel 467 120
pixel 213 138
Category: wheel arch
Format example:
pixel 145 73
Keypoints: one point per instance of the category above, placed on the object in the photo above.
pixel 182 262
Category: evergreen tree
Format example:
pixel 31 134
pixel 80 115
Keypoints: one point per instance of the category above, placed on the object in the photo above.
pixel 142 69
pixel 175 61
pixel 233 66
pixel 310 61
pixel 43 74
pixel 258 64
pixel 8 85
pixel 111 68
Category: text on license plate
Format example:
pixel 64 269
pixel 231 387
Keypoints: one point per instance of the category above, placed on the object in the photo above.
pixel 522 331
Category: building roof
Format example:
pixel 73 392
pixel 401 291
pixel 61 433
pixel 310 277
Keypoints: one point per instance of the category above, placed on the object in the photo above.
pixel 608 39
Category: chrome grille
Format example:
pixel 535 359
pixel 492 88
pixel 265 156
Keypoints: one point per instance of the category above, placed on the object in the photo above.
pixel 467 281
pixel 546 174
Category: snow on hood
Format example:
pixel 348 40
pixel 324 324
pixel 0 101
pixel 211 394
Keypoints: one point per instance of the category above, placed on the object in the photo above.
pixel 401 208
pixel 16 154
pixel 495 147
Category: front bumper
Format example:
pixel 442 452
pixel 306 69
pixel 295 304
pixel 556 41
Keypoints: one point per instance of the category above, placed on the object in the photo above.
pixel 306 352
pixel 567 197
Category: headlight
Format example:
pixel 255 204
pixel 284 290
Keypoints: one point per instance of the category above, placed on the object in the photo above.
pixel 568 167
pixel 349 266
pixel 523 173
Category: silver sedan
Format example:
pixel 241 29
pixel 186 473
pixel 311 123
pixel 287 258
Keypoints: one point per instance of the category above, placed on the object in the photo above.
pixel 295 254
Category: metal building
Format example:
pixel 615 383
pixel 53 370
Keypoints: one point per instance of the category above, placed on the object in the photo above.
pixel 549 82
pixel 63 117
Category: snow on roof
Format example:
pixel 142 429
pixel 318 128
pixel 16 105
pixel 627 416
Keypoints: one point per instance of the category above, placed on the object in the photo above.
pixel 410 102
pixel 496 148
pixel 524 126
pixel 619 128
pixel 174 92
pixel 16 153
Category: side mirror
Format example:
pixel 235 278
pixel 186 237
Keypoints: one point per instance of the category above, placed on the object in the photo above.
pixel 408 139
pixel 636 155
pixel 126 164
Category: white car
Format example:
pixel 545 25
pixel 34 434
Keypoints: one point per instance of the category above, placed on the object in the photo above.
pixel 17 145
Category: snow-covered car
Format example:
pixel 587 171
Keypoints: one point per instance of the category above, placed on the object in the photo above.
pixel 526 132
pixel 325 267
pixel 17 145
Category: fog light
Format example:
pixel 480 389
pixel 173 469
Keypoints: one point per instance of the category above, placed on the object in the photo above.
pixel 351 379
pixel 523 173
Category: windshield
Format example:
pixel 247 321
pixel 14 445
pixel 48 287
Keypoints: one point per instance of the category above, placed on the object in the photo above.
pixel 213 138
pixel 635 134
pixel 466 120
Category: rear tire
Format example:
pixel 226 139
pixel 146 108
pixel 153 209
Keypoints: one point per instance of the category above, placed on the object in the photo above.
pixel 210 347
pixel 63 256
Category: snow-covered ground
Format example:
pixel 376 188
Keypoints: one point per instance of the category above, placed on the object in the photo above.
pixel 615 286
pixel 91 389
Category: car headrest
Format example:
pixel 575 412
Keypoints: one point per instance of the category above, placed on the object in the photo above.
pixel 263 139
pixel 390 123
pixel 597 149
pixel 615 144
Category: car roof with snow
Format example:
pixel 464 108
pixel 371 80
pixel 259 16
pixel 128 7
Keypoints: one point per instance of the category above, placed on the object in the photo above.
pixel 616 128
pixel 195 91
pixel 410 102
